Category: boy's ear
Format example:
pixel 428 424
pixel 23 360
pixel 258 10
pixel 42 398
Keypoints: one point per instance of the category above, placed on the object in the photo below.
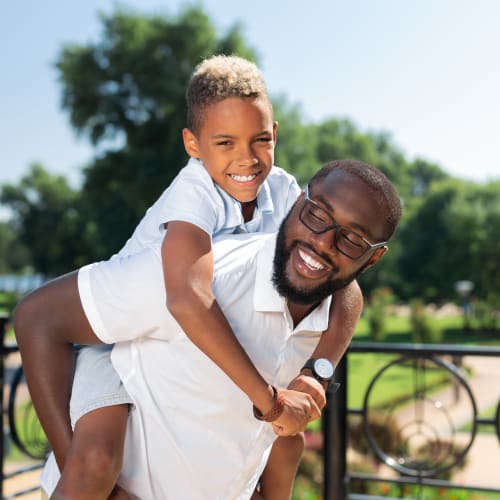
pixel 190 143
pixel 275 129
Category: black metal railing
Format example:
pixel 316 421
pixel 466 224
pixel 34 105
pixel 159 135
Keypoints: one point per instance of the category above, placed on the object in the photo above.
pixel 20 424
pixel 425 446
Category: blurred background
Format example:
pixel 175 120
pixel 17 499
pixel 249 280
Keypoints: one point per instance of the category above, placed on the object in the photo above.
pixel 94 107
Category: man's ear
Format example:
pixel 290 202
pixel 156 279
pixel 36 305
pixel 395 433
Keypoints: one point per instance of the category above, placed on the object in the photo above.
pixel 190 143
pixel 376 256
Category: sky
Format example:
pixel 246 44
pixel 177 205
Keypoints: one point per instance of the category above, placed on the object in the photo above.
pixel 427 72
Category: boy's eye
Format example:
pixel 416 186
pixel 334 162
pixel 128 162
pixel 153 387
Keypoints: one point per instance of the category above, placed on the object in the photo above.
pixel 264 139
pixel 223 143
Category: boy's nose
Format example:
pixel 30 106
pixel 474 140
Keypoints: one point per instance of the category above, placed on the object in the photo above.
pixel 248 162
pixel 247 157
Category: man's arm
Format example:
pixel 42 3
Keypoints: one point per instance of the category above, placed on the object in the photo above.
pixel 188 271
pixel 345 312
pixel 47 322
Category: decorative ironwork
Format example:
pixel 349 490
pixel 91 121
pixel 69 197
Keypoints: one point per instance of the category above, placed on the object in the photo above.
pixel 432 436
pixel 497 421
pixel 25 429
pixel 425 443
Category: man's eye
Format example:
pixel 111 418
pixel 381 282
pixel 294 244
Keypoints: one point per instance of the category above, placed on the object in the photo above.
pixel 319 216
pixel 352 240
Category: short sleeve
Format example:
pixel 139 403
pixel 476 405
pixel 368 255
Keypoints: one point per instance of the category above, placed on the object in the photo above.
pixel 192 198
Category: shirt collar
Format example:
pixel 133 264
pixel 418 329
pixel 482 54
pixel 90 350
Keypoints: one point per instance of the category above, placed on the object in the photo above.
pixel 267 299
pixel 264 198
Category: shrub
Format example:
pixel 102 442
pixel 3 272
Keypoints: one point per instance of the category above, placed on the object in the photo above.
pixel 380 299
pixel 424 329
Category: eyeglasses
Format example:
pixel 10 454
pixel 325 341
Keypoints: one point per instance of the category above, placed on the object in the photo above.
pixel 319 221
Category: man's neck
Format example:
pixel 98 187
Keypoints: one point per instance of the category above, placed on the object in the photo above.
pixel 299 311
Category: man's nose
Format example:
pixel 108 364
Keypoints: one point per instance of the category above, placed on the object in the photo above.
pixel 326 241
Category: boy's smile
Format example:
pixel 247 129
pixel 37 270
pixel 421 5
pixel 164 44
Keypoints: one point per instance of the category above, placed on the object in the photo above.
pixel 236 145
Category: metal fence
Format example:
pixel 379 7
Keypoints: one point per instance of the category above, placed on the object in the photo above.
pixel 418 434
pixel 422 447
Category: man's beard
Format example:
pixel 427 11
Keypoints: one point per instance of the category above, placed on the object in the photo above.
pixel 290 292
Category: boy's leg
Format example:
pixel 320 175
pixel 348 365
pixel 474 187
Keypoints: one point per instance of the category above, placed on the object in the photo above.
pixel 99 413
pixel 279 474
pixel 94 461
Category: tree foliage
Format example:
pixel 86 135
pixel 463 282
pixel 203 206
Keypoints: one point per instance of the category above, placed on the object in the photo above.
pixel 126 94
pixel 47 221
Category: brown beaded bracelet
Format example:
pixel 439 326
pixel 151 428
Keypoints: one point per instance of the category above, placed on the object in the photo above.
pixel 275 412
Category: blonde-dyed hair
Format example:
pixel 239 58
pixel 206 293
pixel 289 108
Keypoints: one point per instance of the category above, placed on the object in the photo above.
pixel 217 78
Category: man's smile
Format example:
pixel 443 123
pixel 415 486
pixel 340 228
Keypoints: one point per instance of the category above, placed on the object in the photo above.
pixel 309 264
pixel 310 261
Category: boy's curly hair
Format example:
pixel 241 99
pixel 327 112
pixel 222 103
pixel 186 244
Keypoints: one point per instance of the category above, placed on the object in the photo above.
pixel 218 78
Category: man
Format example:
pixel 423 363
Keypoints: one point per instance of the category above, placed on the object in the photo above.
pixel 192 433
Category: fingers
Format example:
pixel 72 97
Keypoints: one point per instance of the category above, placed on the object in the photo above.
pixel 315 411
pixel 309 385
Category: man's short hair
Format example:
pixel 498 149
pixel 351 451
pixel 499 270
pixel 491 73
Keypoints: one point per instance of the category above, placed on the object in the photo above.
pixel 387 196
pixel 218 78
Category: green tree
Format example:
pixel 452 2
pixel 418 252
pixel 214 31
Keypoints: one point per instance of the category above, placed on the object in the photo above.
pixel 46 221
pixel 452 235
pixel 14 256
pixel 296 141
pixel 126 93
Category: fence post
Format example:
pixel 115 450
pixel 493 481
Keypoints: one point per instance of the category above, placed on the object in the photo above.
pixel 4 319
pixel 335 438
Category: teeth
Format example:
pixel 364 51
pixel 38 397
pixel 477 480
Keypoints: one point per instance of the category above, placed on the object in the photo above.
pixel 243 178
pixel 312 263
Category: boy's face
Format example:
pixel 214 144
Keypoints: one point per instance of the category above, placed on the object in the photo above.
pixel 307 266
pixel 236 144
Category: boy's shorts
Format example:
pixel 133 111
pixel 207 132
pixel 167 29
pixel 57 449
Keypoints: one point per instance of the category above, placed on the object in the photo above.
pixel 96 384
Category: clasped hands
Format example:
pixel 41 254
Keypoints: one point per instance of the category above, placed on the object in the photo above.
pixel 304 398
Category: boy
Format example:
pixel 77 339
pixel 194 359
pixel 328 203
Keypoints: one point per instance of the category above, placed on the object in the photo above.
pixel 234 188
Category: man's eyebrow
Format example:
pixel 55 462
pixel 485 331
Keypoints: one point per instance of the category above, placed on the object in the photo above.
pixel 327 205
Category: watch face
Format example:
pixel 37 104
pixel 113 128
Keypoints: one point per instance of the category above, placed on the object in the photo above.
pixel 323 368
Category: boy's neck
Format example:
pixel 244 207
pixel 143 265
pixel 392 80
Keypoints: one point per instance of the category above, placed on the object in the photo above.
pixel 247 209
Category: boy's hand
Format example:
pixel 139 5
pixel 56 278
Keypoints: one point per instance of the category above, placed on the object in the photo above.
pixel 299 409
pixel 305 383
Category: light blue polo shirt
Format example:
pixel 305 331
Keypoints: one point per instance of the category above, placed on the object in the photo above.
pixel 194 197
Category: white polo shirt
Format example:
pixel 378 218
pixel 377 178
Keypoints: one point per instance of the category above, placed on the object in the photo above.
pixel 192 433
pixel 194 197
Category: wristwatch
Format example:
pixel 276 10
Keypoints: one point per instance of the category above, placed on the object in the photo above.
pixel 322 370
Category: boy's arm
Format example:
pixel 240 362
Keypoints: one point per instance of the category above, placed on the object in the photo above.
pixel 345 311
pixel 188 271
pixel 47 322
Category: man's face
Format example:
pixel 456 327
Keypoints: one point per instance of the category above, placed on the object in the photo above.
pixel 307 266
pixel 236 144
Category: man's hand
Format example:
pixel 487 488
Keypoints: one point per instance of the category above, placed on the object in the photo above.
pixel 311 386
pixel 299 409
